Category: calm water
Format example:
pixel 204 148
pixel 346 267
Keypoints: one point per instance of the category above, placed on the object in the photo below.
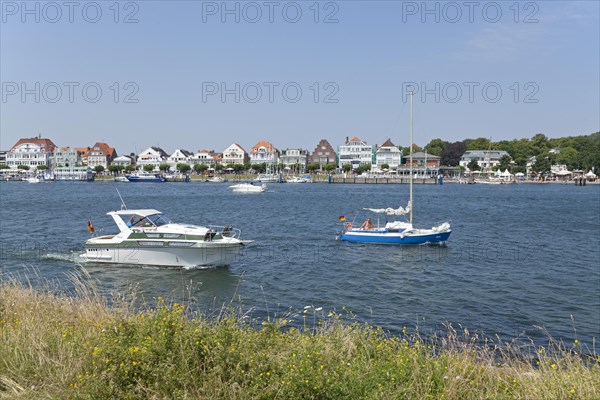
pixel 520 256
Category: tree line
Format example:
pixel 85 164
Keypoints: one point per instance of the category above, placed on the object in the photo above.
pixel 576 152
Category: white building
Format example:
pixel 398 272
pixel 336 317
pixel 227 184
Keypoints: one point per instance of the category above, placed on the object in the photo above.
pixel 294 159
pixel 355 152
pixel 67 157
pixel 123 161
pixel 264 152
pixel 179 156
pixel 205 157
pixel 32 152
pixel 235 154
pixel 388 154
pixel 152 156
pixel 487 159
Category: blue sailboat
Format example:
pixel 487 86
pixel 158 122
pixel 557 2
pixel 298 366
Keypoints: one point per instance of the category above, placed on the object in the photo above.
pixel 396 232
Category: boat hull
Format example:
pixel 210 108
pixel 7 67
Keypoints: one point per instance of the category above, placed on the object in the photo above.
pixel 386 237
pixel 187 257
pixel 153 179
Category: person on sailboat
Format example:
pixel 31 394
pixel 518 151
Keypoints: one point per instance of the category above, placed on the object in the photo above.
pixel 367 225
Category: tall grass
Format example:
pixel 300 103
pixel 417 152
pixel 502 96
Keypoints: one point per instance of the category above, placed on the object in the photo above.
pixel 55 346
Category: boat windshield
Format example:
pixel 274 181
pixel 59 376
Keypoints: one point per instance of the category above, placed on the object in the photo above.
pixel 138 221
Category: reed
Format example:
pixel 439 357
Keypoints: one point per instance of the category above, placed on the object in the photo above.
pixel 58 346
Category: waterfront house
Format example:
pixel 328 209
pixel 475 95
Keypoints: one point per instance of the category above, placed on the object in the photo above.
pixel 487 159
pixel 152 156
pixel 206 157
pixel 421 159
pixel 294 159
pixel 68 163
pixel 3 157
pixel 323 154
pixel 123 161
pixel 66 157
pixel 388 154
pixel 101 154
pixel 264 152
pixel 355 152
pixel 31 152
pixel 235 154
pixel 179 156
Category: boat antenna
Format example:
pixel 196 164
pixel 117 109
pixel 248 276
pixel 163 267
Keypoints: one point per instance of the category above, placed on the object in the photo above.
pixel 411 158
pixel 123 206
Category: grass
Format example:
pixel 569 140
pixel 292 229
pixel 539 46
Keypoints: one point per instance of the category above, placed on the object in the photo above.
pixel 58 346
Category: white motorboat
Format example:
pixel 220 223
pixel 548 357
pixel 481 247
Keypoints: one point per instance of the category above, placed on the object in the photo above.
pixel 248 188
pixel 121 179
pixel 273 178
pixel 33 179
pixel 298 179
pixel 216 179
pixel 146 237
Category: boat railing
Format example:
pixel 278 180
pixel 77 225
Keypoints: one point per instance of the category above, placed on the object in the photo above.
pixel 226 231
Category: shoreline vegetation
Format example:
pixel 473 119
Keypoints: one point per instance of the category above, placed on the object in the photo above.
pixel 57 346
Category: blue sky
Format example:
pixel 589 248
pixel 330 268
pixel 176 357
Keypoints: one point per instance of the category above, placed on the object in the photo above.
pixel 179 55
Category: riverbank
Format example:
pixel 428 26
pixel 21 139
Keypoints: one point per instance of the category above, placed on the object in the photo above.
pixel 54 346
pixel 350 179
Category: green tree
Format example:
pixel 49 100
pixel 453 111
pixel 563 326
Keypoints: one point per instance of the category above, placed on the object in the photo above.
pixel 130 168
pixel 406 150
pixel 539 144
pixel 436 147
pixel 237 168
pixel 385 166
pixel 312 167
pixel 219 167
pixel 42 167
pixel 346 168
pixel 183 168
pixel 473 165
pixel 4 166
pixel 542 164
pixel 23 167
pixel 478 144
pixel 99 169
pixel 504 162
pixel 200 168
pixel 148 167
pixel 569 157
pixel 164 167
pixel 329 167
pixel 114 168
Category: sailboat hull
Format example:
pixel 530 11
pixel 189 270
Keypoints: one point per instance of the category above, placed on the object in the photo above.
pixel 386 237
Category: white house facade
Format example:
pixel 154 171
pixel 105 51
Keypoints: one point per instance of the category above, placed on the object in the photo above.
pixel 355 152
pixel 152 156
pixel 31 152
pixel 235 154
pixel 388 154
pixel 264 152
pixel 487 159
pixel 294 159
pixel 179 156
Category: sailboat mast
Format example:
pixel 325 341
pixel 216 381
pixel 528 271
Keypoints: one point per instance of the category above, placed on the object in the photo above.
pixel 411 158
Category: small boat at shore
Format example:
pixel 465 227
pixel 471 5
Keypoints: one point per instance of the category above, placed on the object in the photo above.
pixel 298 179
pixel 248 188
pixel 146 237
